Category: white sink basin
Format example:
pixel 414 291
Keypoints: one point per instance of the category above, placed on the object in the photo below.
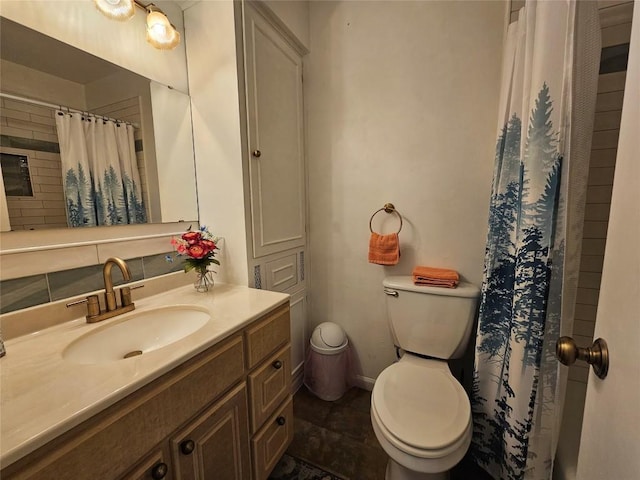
pixel 136 334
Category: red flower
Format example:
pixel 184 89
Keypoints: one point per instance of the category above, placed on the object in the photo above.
pixel 196 251
pixel 192 237
pixel 208 245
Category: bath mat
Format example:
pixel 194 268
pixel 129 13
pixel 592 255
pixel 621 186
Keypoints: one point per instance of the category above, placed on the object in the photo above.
pixel 292 468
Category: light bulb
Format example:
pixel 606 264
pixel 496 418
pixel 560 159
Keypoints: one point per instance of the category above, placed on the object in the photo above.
pixel 116 9
pixel 160 33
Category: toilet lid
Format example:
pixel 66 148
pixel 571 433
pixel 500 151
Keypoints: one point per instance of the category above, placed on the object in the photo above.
pixel 425 408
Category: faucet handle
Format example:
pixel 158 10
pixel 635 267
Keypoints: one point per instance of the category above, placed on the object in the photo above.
pixel 93 305
pixel 125 294
pixel 77 302
pixel 91 301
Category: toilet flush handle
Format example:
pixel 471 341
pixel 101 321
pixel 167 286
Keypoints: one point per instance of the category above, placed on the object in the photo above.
pixel 390 292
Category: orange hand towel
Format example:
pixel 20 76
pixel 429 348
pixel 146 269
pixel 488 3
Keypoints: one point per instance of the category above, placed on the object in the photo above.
pixel 437 277
pixel 384 249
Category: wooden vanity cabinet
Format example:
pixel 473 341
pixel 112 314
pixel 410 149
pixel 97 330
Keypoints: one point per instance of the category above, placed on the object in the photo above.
pixel 191 423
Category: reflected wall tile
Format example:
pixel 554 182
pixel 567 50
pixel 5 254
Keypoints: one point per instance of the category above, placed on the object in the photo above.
pixel 23 292
pixel 68 283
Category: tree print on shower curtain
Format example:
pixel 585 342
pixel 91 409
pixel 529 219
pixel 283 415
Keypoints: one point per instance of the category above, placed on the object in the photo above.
pixel 515 314
pixel 536 213
pixel 100 173
pixel 529 283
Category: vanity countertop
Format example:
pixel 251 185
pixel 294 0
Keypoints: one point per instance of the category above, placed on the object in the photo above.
pixel 43 395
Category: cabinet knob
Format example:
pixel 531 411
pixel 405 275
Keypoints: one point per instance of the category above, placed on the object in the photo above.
pixel 187 447
pixel 257 153
pixel 277 364
pixel 159 471
pixel 281 420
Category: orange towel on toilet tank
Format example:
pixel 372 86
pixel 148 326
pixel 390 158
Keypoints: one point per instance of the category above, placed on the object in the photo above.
pixel 384 249
pixel 436 277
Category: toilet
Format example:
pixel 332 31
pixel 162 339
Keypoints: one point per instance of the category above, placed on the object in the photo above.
pixel 420 413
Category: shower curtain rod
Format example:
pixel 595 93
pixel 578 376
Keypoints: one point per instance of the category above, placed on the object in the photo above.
pixel 62 107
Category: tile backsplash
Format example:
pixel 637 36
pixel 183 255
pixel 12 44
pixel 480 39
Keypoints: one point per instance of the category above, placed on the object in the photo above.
pixel 32 290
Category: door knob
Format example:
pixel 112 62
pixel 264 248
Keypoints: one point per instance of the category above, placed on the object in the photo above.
pixel 597 355
pixel 256 153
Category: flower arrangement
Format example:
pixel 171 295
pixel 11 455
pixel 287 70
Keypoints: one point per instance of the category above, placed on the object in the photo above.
pixel 199 247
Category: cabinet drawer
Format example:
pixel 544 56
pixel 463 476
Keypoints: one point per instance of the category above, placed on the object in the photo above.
pixel 267 335
pixel 282 273
pixel 269 385
pixel 270 443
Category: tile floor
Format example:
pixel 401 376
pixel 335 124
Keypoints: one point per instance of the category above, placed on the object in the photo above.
pixel 338 437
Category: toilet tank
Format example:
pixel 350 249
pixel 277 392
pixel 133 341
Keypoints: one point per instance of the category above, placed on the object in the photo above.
pixel 431 321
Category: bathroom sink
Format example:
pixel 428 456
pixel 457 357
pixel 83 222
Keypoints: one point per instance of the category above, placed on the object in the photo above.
pixel 136 334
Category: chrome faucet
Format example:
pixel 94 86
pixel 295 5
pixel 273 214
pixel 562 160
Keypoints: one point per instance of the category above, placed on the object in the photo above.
pixel 94 313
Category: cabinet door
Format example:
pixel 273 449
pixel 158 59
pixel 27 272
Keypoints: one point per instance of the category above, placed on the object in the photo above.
pixel 216 443
pixel 154 467
pixel 276 150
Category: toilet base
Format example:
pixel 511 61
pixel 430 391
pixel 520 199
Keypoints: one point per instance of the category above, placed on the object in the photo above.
pixel 395 471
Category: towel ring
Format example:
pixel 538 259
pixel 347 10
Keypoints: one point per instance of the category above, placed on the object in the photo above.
pixel 388 208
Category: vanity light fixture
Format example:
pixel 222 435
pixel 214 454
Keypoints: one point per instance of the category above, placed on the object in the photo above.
pixel 116 9
pixel 161 33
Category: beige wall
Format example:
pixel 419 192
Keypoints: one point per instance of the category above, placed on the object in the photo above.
pixel 213 85
pixel 401 102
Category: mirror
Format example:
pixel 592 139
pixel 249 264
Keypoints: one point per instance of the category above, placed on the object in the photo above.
pixel 41 77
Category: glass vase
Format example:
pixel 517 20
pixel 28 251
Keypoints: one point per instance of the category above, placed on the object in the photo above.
pixel 204 280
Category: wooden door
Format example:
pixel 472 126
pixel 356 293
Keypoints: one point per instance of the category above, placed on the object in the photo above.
pixel 273 69
pixel 216 444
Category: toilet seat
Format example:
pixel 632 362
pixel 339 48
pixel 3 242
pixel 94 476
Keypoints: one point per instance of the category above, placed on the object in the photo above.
pixel 421 407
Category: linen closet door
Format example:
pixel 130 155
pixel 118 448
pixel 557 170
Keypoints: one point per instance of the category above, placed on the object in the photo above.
pixel 275 140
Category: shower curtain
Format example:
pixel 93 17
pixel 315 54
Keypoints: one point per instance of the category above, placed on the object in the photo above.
pixel 533 244
pixel 100 173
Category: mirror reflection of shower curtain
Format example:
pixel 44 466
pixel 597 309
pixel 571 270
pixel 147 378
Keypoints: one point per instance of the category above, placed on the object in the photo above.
pixel 100 173
pixel 547 106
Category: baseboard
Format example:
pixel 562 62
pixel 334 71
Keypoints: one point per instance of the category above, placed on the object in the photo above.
pixel 297 377
pixel 366 383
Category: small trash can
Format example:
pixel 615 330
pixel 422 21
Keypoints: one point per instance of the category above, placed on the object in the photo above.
pixel 328 364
